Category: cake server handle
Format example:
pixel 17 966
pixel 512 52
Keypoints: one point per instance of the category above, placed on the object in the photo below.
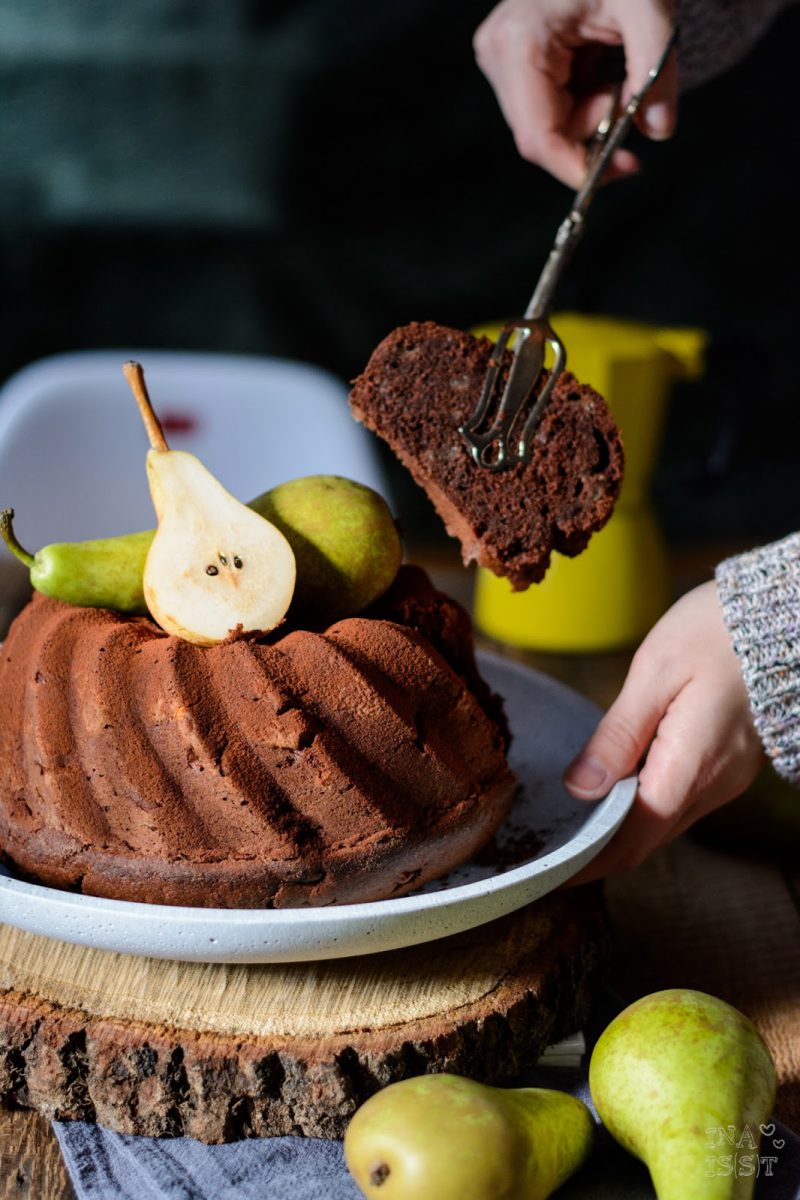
pixel 492 448
pixel 610 135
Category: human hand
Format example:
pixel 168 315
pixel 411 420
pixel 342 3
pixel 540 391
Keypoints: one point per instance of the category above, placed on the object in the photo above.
pixel 533 51
pixel 685 707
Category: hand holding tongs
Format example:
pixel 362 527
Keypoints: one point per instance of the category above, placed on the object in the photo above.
pixel 490 448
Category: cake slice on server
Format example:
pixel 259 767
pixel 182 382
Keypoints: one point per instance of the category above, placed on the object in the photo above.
pixel 423 382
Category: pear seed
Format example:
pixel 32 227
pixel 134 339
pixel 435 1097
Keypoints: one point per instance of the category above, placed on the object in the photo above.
pixel 212 570
pixel 223 560
pixel 237 562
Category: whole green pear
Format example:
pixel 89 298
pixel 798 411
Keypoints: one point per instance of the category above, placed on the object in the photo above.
pixel 442 1137
pixel 344 539
pixel 100 573
pixel 684 1081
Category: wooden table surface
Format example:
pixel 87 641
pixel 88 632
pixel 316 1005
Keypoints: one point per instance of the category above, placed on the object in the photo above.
pixel 695 915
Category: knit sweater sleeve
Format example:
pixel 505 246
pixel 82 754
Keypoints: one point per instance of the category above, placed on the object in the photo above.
pixel 760 595
pixel 716 34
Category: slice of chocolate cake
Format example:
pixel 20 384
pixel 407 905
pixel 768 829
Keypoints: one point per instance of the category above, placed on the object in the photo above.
pixel 422 382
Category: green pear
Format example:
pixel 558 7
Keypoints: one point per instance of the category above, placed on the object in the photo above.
pixel 442 1137
pixel 103 572
pixel 684 1081
pixel 344 538
pixel 214 565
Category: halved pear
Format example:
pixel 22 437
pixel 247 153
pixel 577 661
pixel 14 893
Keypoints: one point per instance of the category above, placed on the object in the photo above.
pixel 214 564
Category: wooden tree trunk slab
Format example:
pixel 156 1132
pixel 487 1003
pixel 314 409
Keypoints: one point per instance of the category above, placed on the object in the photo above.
pixel 221 1052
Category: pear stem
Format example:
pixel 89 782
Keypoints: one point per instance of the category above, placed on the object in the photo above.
pixel 10 538
pixel 135 377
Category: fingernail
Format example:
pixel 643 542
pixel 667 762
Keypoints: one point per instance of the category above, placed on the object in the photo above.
pixel 658 119
pixel 586 773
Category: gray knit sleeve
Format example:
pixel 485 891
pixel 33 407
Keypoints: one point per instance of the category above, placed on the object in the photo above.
pixel 760 595
pixel 716 34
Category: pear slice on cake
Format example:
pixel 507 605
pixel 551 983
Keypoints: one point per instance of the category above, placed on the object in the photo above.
pixel 214 565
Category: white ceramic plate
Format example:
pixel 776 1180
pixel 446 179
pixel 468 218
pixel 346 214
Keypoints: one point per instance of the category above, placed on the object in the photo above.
pixel 549 723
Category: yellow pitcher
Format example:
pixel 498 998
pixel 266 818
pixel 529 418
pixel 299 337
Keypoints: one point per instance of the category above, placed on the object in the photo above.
pixel 612 593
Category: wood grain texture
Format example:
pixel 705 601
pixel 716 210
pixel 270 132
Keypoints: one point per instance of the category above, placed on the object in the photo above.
pixel 31 1167
pixel 221 1052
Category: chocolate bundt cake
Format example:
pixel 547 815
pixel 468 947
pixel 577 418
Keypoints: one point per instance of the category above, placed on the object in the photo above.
pixel 422 382
pixel 309 768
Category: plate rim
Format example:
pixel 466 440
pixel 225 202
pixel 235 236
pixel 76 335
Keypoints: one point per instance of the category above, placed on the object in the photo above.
pixel 616 803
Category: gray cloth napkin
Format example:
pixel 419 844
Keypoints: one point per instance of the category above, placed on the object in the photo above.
pixel 112 1166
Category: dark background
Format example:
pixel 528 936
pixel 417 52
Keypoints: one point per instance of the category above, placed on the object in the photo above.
pixel 296 178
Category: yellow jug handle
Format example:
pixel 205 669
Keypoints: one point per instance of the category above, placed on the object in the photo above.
pixel 688 348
